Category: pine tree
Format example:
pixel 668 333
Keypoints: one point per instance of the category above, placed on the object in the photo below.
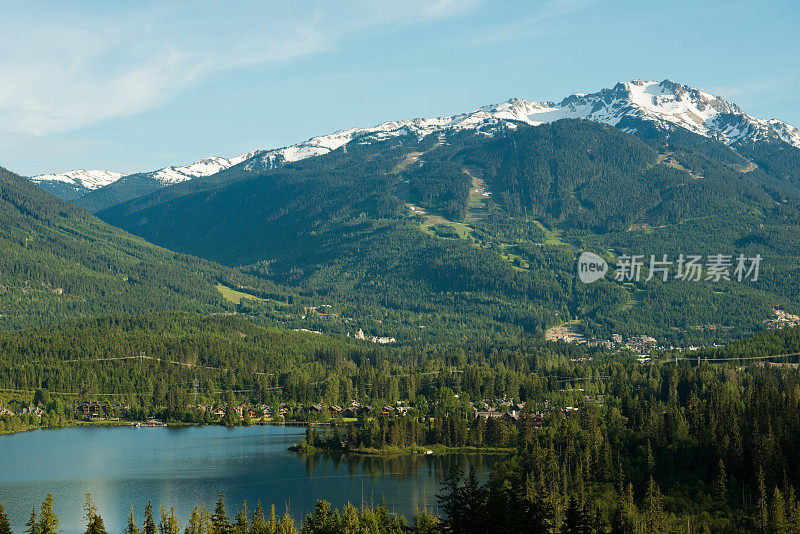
pixel 349 521
pixel 132 527
pixel 32 524
pixel 323 520
pixel 149 526
pixel 5 525
pixel 242 524
pixel 721 487
pixel 273 521
pixel 259 524
pixel 763 512
pixel 48 520
pixel 778 522
pixel 793 511
pixel 653 521
pixel 169 523
pixel 193 524
pixel 422 523
pixel 94 523
pixel 219 519
pixel 574 519
pixel 286 525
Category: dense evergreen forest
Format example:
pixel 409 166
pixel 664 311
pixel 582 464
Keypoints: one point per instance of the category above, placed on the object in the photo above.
pixel 479 235
pixel 58 262
pixel 644 447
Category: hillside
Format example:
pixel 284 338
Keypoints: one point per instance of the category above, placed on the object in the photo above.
pixel 60 262
pixel 464 231
pixel 140 184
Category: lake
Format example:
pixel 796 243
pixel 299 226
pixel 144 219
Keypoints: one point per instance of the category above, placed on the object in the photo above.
pixel 183 467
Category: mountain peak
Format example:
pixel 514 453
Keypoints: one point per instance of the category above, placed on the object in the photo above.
pixel 83 178
pixel 665 104
pixel 627 105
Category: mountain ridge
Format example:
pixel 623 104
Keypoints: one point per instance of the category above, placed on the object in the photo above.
pixel 628 105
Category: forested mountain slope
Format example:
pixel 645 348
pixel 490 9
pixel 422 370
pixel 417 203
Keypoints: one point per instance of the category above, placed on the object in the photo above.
pixel 60 262
pixel 488 227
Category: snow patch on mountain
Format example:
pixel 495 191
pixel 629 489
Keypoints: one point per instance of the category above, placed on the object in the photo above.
pixel 89 179
pixel 665 104
pixel 203 167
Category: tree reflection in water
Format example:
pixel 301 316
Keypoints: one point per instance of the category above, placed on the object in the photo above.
pixel 404 468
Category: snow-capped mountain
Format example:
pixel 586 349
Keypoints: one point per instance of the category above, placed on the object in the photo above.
pixel 81 178
pixel 663 104
pixel 203 167
pixel 627 105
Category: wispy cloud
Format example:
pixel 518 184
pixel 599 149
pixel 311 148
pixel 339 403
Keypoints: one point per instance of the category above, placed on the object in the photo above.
pixel 533 22
pixel 63 68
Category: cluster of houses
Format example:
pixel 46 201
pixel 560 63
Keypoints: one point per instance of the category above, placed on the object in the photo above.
pixel 782 319
pixel 513 412
pixel 100 409
pixel 507 410
pixel 266 412
pixel 25 410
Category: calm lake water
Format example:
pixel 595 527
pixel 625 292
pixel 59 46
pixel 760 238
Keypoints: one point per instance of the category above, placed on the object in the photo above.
pixel 183 467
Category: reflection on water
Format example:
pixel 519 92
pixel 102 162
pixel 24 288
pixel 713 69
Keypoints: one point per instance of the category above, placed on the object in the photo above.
pixel 183 467
pixel 404 468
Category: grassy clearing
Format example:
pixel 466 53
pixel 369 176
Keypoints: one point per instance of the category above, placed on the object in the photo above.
pixel 234 296
pixel 551 237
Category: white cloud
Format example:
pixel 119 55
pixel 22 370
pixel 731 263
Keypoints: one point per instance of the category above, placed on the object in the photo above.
pixel 62 69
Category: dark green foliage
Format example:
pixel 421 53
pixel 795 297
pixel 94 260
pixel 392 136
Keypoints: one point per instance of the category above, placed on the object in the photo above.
pixel 219 519
pixel 149 526
pixel 441 186
pixel 48 520
pixel 584 174
pixel 59 262
pixel 94 523
pixel 5 526
pixel 336 225
pixel 124 189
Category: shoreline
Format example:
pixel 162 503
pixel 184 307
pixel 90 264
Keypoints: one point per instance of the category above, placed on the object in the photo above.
pixel 109 423
pixel 410 450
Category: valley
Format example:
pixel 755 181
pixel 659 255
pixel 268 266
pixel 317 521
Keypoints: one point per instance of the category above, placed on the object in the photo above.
pixel 414 289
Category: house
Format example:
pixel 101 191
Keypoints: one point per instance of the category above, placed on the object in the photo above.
pixel 30 410
pixel 350 412
pixel 96 410
pixel 335 409
pixel 487 414
pixel 511 417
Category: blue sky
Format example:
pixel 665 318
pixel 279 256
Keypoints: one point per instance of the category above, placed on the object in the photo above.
pixel 140 85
